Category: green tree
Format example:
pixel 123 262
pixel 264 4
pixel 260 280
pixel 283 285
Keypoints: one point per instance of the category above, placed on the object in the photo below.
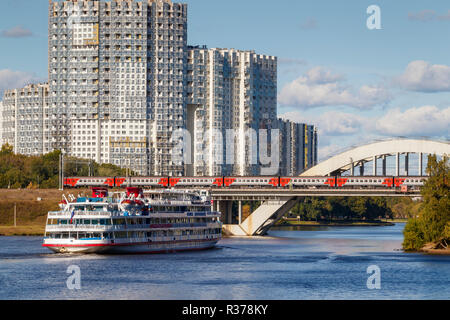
pixel 434 214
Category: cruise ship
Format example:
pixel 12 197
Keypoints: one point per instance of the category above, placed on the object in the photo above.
pixel 135 221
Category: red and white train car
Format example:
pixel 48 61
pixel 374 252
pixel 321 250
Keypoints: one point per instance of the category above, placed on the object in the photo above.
pixel 257 182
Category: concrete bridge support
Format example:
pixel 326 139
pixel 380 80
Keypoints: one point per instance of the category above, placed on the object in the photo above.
pixel 262 219
pixel 421 164
pixel 226 208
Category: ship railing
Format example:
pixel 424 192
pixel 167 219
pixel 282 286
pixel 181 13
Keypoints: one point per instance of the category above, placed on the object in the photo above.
pixel 176 203
pixel 132 227
pixel 88 214
pixel 71 227
pixel 81 213
pixel 169 238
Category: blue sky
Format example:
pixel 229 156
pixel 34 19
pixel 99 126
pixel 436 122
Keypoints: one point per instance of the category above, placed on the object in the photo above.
pixel 355 84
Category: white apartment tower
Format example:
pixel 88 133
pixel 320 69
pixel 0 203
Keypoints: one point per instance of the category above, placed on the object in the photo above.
pixel 122 82
pixel 230 92
pixel 116 81
pixel 24 119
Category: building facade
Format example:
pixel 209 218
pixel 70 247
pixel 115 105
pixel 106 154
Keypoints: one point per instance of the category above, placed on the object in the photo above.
pixel 231 97
pixel 116 81
pixel 298 145
pixel 25 122
pixel 123 83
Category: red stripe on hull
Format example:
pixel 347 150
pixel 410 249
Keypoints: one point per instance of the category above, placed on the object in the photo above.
pixel 122 244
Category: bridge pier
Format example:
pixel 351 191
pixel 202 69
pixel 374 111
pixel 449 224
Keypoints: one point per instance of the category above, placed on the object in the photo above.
pixel 361 168
pixel 240 211
pixel 420 164
pixel 397 164
pixel 374 166
pixel 226 208
pixel 407 164
pixel 262 219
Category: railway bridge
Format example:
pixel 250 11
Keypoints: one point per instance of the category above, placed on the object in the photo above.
pixel 276 203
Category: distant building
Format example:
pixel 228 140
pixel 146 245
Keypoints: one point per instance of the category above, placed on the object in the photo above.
pixel 298 147
pixel 25 119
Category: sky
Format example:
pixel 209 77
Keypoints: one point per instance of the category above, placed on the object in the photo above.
pixel 355 84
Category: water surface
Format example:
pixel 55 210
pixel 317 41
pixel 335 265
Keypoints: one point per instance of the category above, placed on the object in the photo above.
pixel 325 263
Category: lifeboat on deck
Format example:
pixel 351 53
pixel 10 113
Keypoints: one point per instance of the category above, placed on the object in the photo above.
pixel 62 204
pixel 132 205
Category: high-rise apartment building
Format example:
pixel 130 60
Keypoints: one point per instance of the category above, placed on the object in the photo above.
pixel 123 83
pixel 231 97
pixel 116 81
pixel 298 145
pixel 25 121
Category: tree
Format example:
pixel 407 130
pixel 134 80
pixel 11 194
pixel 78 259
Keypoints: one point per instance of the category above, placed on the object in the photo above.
pixel 434 214
pixel 7 149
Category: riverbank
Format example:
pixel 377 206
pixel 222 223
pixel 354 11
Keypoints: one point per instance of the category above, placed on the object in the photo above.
pixel 435 249
pixel 31 207
pixel 337 223
pixel 27 230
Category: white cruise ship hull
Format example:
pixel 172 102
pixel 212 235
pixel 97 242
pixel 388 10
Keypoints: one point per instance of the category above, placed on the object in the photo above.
pixel 131 248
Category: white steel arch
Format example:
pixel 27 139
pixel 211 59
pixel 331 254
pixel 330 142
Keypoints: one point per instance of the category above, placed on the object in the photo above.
pixel 381 149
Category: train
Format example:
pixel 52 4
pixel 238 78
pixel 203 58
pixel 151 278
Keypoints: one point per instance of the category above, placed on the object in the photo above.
pixel 248 182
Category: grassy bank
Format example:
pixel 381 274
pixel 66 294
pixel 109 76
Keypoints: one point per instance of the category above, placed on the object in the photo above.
pixel 31 206
pixel 26 230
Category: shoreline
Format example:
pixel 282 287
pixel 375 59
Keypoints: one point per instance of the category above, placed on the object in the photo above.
pixel 22 231
pixel 336 224
pixel 38 231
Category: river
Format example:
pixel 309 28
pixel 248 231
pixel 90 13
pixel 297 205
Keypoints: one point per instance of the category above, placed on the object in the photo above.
pixel 319 263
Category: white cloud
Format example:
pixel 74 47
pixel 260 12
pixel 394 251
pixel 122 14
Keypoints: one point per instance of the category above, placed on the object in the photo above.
pixel 309 24
pixel 422 121
pixel 338 130
pixel 332 127
pixel 421 76
pixel 424 15
pixel 16 32
pixel 428 15
pixel 320 87
pixel 328 151
pixel 10 79
pixel 332 123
